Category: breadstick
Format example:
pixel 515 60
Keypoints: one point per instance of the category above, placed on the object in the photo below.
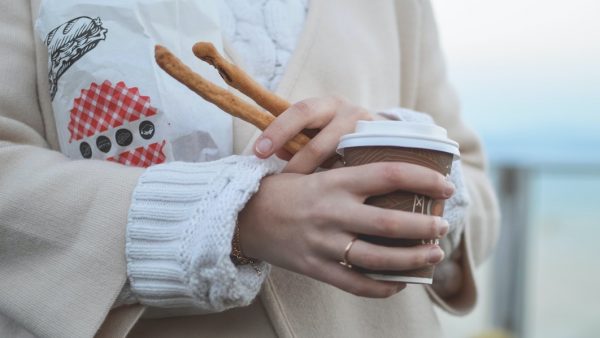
pixel 240 80
pixel 220 97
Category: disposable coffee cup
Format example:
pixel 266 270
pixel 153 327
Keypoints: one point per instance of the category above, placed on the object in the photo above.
pixel 422 144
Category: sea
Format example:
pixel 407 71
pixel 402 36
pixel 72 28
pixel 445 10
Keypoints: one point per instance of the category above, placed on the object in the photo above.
pixel 551 130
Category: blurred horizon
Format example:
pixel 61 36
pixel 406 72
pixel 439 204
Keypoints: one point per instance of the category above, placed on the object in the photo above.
pixel 528 77
pixel 526 69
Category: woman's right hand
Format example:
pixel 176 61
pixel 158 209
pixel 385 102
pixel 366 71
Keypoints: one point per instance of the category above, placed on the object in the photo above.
pixel 303 223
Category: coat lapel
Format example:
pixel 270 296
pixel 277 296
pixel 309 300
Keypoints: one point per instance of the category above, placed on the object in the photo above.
pixel 358 57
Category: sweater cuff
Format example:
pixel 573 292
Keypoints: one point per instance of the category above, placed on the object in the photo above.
pixel 456 210
pixel 179 232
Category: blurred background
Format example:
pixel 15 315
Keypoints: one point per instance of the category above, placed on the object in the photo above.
pixel 528 74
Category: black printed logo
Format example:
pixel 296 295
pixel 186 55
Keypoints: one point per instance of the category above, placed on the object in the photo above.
pixel 103 143
pixel 146 130
pixel 69 42
pixel 124 137
pixel 85 149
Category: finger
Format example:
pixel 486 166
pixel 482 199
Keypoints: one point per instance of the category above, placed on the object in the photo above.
pixel 375 221
pixel 355 283
pixel 310 113
pixel 381 258
pixel 321 148
pixel 384 177
pixel 284 154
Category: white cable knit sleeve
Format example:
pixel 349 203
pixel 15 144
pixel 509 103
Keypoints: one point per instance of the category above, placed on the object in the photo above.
pixel 179 233
pixel 456 208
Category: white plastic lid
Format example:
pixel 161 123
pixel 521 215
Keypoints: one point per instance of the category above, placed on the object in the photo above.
pixel 399 134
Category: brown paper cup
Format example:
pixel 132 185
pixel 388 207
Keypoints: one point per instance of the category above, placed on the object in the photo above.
pixel 402 200
pixel 396 141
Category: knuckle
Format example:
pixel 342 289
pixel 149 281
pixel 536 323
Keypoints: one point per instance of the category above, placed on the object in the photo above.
pixel 321 211
pixel 374 261
pixel 335 178
pixel 393 173
pixel 361 113
pixel 303 108
pixel 309 264
pixel 438 180
pixel 385 226
pixel 433 224
pixel 314 149
pixel 277 131
pixel 358 289
pixel 337 100
pixel 417 260
pixel 314 240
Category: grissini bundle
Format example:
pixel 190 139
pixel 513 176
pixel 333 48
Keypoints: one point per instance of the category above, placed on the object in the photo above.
pixel 220 97
pixel 240 80
pixel 237 78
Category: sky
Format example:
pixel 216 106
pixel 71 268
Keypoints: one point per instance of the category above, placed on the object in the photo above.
pixel 527 69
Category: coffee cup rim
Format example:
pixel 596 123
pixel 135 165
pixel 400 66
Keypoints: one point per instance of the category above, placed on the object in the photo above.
pixel 399 134
pixel 408 141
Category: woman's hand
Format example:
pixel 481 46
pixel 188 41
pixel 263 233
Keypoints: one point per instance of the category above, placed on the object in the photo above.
pixel 333 115
pixel 304 222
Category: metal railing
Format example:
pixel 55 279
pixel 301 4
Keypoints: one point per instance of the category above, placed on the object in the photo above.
pixel 510 271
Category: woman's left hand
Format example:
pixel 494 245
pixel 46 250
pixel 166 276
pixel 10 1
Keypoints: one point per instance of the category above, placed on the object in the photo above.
pixel 334 117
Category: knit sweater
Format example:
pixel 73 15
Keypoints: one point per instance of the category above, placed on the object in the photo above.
pixel 179 232
pixel 183 215
pixel 264 33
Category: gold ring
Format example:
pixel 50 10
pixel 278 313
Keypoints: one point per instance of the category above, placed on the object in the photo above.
pixel 346 252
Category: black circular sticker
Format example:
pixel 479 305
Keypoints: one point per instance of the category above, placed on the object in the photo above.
pixel 103 144
pixel 85 149
pixel 124 137
pixel 146 130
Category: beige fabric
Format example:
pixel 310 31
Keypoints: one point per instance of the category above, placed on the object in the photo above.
pixel 251 321
pixel 62 222
pixel 120 320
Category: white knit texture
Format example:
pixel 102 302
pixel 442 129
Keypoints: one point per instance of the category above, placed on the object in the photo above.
pixel 456 207
pixel 179 232
pixel 264 34
pixel 182 216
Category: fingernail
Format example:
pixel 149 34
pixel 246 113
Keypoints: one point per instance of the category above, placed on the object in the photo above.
pixel 449 190
pixel 396 288
pixel 263 146
pixel 435 255
pixel 444 227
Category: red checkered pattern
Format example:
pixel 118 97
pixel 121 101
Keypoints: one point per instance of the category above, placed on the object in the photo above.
pixel 106 106
pixel 142 157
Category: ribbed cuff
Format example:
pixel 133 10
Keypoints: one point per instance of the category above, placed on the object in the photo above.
pixel 181 224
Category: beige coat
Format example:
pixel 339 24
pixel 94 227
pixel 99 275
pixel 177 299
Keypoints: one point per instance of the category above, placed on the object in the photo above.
pixel 62 223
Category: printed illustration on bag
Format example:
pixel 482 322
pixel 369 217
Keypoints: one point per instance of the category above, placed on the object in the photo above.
pixel 68 43
pixel 106 116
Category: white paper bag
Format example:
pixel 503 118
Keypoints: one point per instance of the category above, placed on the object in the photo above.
pixel 110 99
